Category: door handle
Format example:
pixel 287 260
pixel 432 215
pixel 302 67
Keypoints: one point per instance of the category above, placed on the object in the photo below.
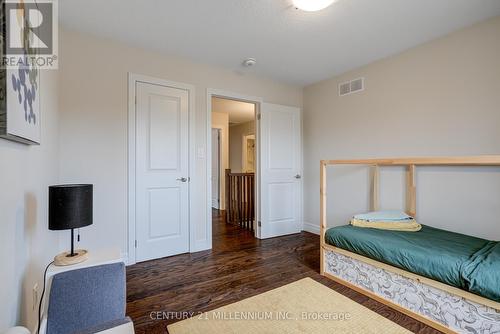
pixel 182 179
pixel 298 176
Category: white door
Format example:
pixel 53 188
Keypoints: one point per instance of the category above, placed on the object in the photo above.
pixel 215 168
pixel 162 192
pixel 280 166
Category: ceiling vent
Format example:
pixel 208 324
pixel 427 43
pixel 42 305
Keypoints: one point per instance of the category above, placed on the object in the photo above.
pixel 353 86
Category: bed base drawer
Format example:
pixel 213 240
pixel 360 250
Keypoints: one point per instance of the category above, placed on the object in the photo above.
pixel 441 309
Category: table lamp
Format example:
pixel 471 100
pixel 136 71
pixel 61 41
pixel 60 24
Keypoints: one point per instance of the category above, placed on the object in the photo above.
pixel 70 207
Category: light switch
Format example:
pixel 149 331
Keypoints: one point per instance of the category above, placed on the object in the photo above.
pixel 201 153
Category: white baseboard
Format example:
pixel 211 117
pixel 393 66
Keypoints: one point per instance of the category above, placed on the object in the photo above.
pixel 125 258
pixel 312 228
pixel 215 204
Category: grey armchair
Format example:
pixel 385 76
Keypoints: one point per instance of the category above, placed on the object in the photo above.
pixel 88 300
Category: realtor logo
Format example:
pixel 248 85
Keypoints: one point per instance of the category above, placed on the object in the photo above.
pixel 30 33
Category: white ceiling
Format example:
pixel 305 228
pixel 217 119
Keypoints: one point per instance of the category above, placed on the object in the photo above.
pixel 239 112
pixel 290 45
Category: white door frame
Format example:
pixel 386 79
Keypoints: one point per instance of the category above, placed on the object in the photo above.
pixel 133 78
pixel 219 165
pixel 238 97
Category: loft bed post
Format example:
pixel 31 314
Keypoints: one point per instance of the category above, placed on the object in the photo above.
pixel 375 188
pixel 411 191
pixel 322 204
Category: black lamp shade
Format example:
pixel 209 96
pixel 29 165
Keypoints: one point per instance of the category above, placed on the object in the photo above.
pixel 70 206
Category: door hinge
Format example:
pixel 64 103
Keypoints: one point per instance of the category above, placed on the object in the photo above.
pixel 259 223
pixel 259 115
pixel 135 243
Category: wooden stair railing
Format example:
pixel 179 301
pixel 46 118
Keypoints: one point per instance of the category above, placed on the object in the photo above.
pixel 240 199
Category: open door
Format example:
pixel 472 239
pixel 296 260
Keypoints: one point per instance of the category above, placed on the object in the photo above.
pixel 280 171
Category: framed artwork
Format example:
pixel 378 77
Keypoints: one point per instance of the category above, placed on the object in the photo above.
pixel 19 91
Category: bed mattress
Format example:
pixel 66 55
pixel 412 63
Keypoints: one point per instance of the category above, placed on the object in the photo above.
pixel 465 262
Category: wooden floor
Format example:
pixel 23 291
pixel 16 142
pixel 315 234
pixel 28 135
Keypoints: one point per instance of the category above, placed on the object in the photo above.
pixel 238 266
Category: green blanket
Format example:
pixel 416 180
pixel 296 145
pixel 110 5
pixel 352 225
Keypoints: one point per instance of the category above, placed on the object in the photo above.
pixel 481 273
pixel 466 262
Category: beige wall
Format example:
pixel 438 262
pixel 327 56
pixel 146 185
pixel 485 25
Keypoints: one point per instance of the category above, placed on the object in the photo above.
pixel 441 98
pixel 221 121
pixel 94 124
pixel 26 244
pixel 236 133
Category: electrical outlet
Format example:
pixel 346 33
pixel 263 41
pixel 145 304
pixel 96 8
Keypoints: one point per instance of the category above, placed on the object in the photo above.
pixel 35 296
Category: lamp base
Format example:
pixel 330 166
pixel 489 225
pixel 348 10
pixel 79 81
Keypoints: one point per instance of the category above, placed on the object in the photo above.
pixel 64 259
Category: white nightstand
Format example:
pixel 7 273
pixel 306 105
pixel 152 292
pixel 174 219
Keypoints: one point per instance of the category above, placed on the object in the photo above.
pixel 96 258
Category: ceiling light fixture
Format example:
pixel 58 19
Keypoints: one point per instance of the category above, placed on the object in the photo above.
pixel 312 5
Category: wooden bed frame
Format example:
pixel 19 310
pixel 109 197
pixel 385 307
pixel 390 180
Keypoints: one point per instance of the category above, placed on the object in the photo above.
pixel 332 256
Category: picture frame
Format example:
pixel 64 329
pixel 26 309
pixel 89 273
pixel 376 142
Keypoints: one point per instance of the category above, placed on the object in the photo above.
pixel 20 115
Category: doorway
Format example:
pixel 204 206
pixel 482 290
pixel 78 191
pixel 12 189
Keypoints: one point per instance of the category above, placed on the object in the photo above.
pixel 233 174
pixel 249 153
pixel 277 185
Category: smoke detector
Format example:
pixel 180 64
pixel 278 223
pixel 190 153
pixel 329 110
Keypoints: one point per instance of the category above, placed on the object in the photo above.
pixel 249 62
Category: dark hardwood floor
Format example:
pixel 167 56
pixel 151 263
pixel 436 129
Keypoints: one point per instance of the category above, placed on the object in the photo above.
pixel 239 266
